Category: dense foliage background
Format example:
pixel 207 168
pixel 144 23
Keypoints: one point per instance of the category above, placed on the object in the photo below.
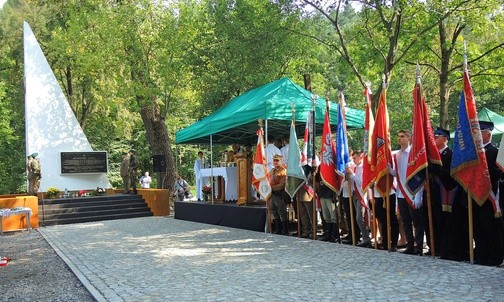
pixel 136 71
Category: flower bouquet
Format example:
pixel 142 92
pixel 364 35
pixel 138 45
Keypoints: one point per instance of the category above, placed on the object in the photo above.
pixel 206 190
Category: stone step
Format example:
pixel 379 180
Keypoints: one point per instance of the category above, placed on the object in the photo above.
pixel 49 222
pixel 86 200
pixel 87 209
pixel 92 204
pixel 108 212
pixel 94 208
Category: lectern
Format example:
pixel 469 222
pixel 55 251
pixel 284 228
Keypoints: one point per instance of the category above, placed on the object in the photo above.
pixel 244 179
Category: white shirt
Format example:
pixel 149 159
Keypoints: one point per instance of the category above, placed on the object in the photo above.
pixel 198 165
pixel 344 185
pixel 402 165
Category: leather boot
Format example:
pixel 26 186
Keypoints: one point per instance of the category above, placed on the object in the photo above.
pixel 278 227
pixel 327 232
pixel 285 228
pixel 335 235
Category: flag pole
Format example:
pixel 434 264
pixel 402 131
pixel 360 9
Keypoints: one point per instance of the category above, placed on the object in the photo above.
pixel 314 206
pixel 268 208
pixel 387 191
pixel 470 214
pixel 292 199
pixel 469 199
pixel 350 201
pixel 427 181
pixel 373 221
pixel 367 95
pixel 350 191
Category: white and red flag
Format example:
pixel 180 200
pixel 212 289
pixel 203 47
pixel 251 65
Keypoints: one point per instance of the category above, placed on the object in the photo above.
pixel 328 156
pixel 260 175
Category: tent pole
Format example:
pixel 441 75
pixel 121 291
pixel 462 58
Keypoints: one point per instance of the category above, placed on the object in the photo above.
pixel 211 168
pixel 266 135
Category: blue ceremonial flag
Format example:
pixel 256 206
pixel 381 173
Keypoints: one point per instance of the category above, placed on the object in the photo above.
pixel 295 174
pixel 469 164
pixel 342 154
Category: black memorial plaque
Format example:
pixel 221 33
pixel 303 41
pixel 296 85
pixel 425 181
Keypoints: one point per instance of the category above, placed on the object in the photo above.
pixel 83 162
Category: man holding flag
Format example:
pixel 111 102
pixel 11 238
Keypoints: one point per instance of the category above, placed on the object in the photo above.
pixel 470 168
pixel 278 206
pixel 423 153
pixel 296 180
pixel 409 204
pixel 488 218
pixel 450 197
pixel 329 182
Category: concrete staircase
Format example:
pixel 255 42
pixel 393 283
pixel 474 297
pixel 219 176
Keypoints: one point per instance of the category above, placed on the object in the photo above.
pixel 87 209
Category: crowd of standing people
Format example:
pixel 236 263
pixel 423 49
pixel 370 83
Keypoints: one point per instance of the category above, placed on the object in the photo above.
pixel 407 223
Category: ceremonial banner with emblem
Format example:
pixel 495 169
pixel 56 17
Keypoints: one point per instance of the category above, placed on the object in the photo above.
pixel 260 175
pixel 342 153
pixel 469 165
pixel 295 174
pixel 381 155
pixel 423 147
pixel 368 176
pixel 327 164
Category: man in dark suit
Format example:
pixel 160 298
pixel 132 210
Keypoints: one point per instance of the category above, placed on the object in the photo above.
pixel 449 206
pixel 487 218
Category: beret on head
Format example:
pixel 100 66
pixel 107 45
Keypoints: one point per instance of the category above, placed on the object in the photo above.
pixel 484 125
pixel 443 132
pixel 34 154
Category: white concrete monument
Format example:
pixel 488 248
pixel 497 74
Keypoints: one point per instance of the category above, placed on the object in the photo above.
pixel 51 126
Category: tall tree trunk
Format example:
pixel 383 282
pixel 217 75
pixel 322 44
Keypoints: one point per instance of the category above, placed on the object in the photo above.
pixel 158 139
pixel 307 82
pixel 447 48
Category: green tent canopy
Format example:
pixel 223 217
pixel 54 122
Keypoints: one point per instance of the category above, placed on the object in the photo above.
pixel 237 121
pixel 488 115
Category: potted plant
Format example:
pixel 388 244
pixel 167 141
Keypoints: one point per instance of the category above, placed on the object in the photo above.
pixel 52 193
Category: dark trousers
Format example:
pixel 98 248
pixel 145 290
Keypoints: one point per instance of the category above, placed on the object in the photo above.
pixel 412 218
pixel 346 207
pixel 381 215
pixel 487 235
pixel 305 217
pixel 456 233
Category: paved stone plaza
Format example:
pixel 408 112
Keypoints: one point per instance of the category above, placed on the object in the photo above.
pixel 164 259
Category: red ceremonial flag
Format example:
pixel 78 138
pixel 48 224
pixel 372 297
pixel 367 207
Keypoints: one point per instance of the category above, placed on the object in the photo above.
pixel 381 156
pixel 423 147
pixel 327 164
pixel 469 165
pixel 260 175
pixel 368 176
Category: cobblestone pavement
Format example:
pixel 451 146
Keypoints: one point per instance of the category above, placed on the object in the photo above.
pixel 164 259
